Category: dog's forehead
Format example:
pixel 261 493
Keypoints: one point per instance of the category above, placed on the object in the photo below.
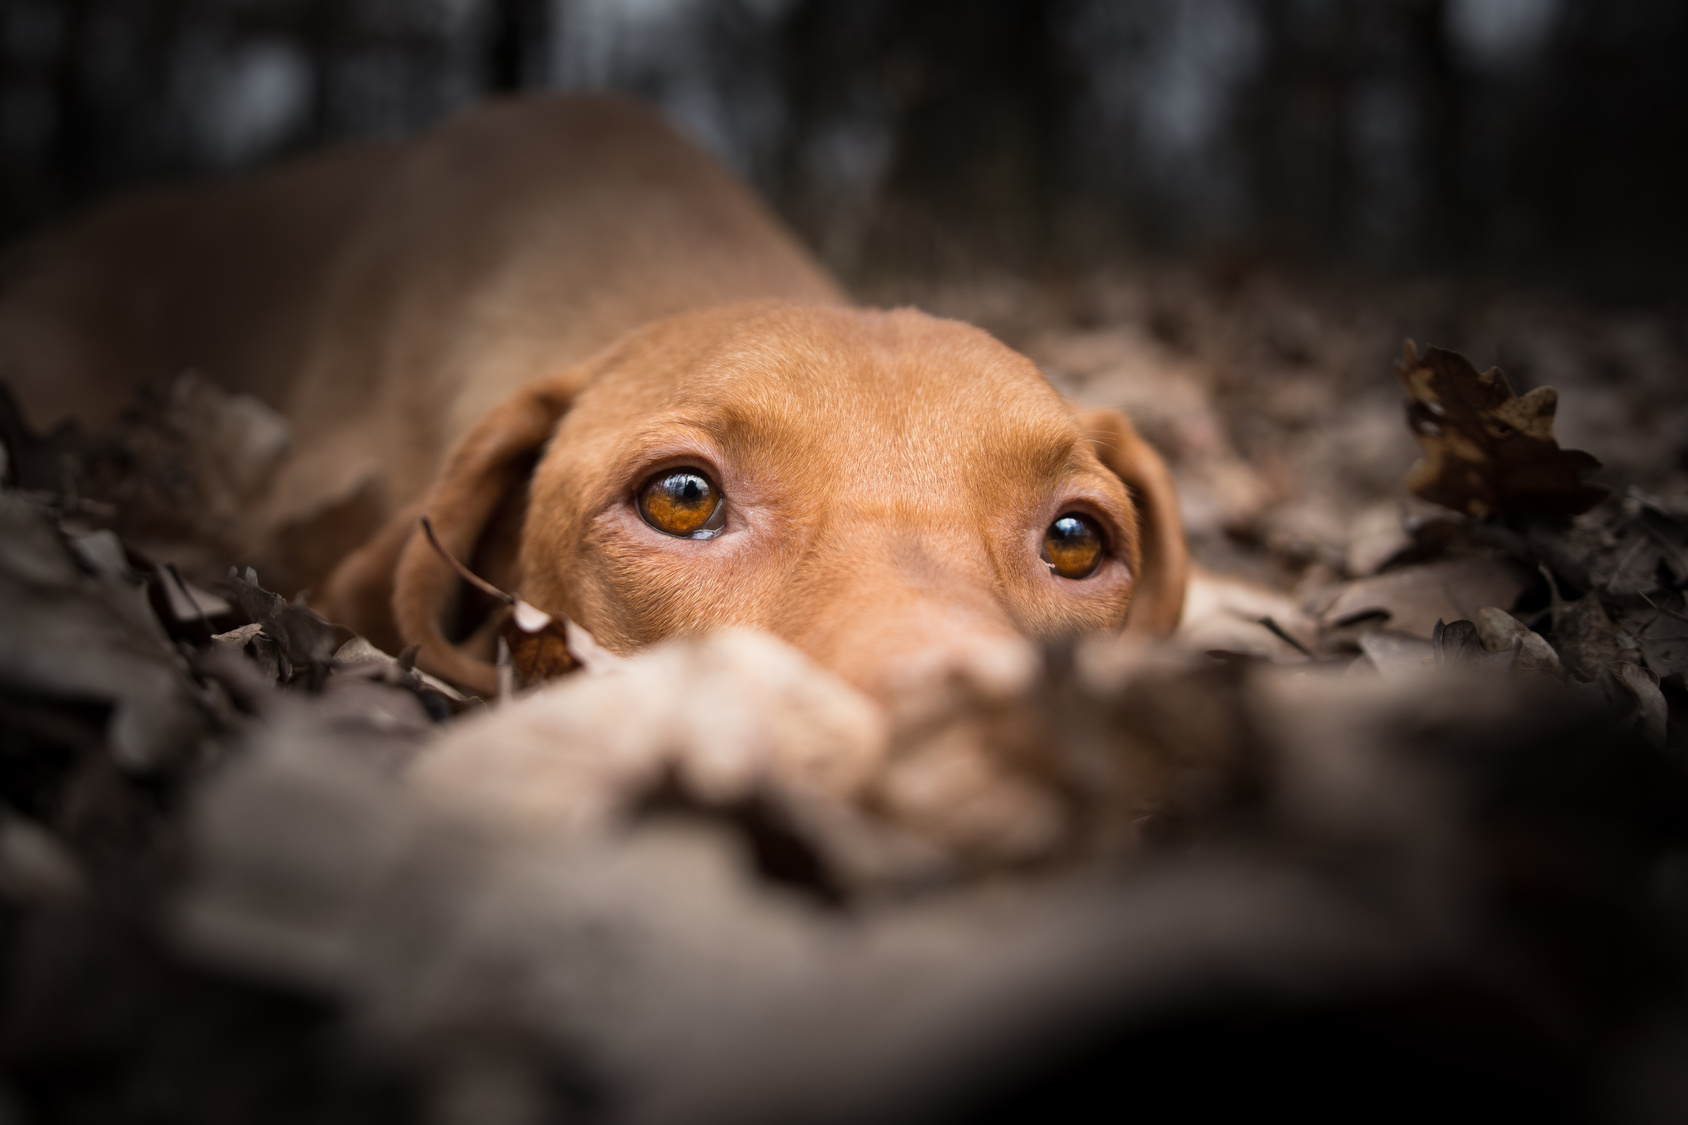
pixel 901 360
pixel 861 380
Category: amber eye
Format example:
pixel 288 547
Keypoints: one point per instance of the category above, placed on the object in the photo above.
pixel 1073 546
pixel 682 502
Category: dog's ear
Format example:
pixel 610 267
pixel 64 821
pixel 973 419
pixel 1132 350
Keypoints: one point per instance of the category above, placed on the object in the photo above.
pixel 1158 601
pixel 482 487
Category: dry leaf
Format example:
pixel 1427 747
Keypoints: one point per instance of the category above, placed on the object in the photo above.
pixel 1396 656
pixel 538 644
pixel 1651 712
pixel 359 651
pixel 1502 632
pixel 1413 599
pixel 67 634
pixel 1230 615
pixel 1663 636
pixel 1585 635
pixel 1456 642
pixel 304 641
pixel 1487 451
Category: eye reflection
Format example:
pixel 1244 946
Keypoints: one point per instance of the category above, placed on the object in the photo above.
pixel 682 502
pixel 1073 546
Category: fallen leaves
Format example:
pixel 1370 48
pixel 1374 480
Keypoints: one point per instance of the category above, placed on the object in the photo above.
pixel 71 634
pixel 294 641
pixel 594 876
pixel 180 476
pixel 1487 451
pixel 1534 571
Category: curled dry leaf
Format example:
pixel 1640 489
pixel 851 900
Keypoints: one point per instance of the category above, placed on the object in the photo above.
pixel 543 646
pixel 1531 654
pixel 538 644
pixel 1488 451
pixel 304 642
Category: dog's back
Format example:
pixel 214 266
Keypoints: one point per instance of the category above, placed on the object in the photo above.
pixel 384 298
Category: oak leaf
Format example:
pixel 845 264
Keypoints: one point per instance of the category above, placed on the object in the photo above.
pixel 1488 451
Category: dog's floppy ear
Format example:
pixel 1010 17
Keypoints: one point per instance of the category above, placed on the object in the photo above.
pixel 487 469
pixel 1158 601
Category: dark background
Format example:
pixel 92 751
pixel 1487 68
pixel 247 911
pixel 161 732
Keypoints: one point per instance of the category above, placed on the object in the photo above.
pixel 1538 139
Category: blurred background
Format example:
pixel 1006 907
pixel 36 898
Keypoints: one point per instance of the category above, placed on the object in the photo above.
pixel 1221 215
pixel 1539 139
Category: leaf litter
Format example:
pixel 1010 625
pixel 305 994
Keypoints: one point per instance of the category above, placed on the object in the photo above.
pixel 256 835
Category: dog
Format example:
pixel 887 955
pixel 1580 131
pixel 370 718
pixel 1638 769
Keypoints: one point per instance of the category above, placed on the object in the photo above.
pixel 617 385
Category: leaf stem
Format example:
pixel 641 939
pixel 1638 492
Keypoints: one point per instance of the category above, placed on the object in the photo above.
pixel 464 572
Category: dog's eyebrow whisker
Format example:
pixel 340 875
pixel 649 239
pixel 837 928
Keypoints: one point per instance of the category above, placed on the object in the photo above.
pixel 464 572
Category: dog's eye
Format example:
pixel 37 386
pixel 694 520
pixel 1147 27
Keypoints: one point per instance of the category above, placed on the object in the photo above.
pixel 682 502
pixel 1073 546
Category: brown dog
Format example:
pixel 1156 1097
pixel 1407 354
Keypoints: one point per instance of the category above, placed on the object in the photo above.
pixel 700 434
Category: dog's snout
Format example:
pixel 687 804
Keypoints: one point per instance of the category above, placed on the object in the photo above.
pixel 907 620
pixel 915 648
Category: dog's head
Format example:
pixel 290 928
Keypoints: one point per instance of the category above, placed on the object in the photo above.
pixel 881 489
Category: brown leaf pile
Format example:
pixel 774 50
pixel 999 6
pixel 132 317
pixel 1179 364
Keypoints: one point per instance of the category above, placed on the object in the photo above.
pixel 254 869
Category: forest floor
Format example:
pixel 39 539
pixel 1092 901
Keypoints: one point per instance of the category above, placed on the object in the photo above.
pixel 1398 822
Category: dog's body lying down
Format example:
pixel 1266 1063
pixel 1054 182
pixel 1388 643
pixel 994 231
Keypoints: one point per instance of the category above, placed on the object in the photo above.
pixel 660 415
pixel 384 298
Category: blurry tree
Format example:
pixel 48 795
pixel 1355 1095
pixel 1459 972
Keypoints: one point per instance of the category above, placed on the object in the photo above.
pixel 935 134
pixel 946 119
